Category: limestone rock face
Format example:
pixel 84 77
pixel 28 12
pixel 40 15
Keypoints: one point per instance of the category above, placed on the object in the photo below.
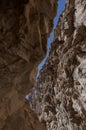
pixel 24 28
pixel 59 96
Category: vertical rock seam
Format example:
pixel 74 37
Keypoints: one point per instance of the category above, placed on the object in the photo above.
pixel 59 95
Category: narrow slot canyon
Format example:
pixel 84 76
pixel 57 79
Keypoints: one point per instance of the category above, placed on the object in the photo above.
pixel 60 9
pixel 43 56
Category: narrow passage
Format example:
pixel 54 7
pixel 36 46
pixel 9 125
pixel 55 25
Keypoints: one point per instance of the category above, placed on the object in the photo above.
pixel 61 6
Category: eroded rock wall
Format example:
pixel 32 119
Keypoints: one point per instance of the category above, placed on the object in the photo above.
pixel 24 28
pixel 59 96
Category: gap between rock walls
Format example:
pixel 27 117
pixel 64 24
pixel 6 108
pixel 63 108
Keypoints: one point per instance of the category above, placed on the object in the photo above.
pixel 60 9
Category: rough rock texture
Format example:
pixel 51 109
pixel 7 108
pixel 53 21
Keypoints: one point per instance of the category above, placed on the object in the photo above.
pixel 59 96
pixel 24 28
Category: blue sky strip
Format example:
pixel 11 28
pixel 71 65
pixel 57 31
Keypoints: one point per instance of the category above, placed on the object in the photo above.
pixel 61 6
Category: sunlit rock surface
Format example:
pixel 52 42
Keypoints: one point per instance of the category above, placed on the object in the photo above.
pixel 24 28
pixel 59 96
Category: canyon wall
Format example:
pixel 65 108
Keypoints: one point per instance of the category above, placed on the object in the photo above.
pixel 59 95
pixel 24 28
